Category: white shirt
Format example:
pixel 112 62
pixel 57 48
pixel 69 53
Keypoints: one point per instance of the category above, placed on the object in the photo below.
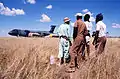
pixel 64 30
pixel 88 25
pixel 101 27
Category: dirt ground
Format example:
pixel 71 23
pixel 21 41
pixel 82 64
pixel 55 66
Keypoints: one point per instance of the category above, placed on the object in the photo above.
pixel 29 58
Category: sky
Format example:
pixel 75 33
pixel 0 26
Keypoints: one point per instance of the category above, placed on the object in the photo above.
pixel 41 14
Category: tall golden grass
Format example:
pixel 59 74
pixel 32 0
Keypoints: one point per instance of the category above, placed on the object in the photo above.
pixel 29 58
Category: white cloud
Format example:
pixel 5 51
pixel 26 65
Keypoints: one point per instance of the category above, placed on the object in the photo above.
pixel 85 10
pixel 31 1
pixel 92 19
pixel 18 11
pixel 8 12
pixel 89 13
pixel 45 18
pixel 115 25
pixel 49 7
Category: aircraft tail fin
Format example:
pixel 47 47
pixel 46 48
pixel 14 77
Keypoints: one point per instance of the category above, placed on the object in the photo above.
pixel 52 28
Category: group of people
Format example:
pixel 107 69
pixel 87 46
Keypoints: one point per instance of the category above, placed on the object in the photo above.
pixel 75 50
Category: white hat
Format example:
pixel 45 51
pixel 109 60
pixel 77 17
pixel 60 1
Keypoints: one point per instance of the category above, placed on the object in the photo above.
pixel 79 14
pixel 66 19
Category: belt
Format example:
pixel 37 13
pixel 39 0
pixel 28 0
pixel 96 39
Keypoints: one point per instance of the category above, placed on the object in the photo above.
pixel 65 37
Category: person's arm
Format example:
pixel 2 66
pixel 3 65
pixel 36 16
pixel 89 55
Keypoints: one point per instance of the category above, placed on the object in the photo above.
pixel 69 35
pixel 85 30
pixel 95 38
pixel 90 26
pixel 75 30
pixel 96 34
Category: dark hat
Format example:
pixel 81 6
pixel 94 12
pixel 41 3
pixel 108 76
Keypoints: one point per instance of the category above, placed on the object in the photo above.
pixel 99 16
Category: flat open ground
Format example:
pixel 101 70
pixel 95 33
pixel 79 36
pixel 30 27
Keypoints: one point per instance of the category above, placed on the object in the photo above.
pixel 28 58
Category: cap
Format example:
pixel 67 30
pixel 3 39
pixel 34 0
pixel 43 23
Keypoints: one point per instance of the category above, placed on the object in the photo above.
pixel 79 14
pixel 99 17
pixel 66 19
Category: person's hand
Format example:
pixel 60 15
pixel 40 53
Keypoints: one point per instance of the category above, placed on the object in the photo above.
pixel 70 43
pixel 93 43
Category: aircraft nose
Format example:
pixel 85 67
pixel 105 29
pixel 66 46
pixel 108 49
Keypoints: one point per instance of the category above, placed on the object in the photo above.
pixel 10 33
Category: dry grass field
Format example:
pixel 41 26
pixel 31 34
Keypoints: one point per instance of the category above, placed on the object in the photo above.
pixel 29 58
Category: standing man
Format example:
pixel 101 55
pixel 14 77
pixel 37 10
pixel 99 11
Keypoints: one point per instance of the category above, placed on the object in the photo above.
pixel 100 35
pixel 64 42
pixel 80 31
pixel 89 28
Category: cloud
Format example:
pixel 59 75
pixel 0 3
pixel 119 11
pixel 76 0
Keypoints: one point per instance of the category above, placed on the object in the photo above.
pixel 92 19
pixel 85 10
pixel 45 18
pixel 31 1
pixel 49 7
pixel 24 1
pixel 115 25
pixel 90 13
pixel 8 12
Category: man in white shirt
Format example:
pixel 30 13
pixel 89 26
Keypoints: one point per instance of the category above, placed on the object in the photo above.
pixel 64 42
pixel 89 28
pixel 100 36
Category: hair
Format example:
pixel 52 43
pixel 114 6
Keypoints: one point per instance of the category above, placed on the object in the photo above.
pixel 87 17
pixel 67 22
pixel 79 17
pixel 99 17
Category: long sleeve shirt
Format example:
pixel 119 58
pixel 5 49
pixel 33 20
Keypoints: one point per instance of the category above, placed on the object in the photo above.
pixel 81 28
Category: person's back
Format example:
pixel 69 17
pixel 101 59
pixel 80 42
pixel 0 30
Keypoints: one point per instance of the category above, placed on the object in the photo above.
pixel 100 36
pixel 81 28
pixel 78 45
pixel 89 28
pixel 64 42
pixel 102 29
pixel 64 30
pixel 88 25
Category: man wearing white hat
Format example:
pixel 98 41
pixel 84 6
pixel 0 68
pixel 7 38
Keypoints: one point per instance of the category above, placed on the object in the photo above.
pixel 78 46
pixel 64 42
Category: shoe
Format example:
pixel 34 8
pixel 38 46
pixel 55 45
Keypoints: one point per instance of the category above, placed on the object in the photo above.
pixel 71 70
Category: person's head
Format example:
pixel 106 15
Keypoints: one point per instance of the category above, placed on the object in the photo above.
pixel 66 20
pixel 87 17
pixel 78 16
pixel 99 17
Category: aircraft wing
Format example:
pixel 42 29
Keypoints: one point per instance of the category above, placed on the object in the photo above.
pixel 53 35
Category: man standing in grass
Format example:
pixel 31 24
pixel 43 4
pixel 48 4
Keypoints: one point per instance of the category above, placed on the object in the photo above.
pixel 78 46
pixel 100 35
pixel 89 28
pixel 64 42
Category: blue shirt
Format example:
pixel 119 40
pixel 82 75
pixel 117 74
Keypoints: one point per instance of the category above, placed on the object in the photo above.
pixel 64 30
